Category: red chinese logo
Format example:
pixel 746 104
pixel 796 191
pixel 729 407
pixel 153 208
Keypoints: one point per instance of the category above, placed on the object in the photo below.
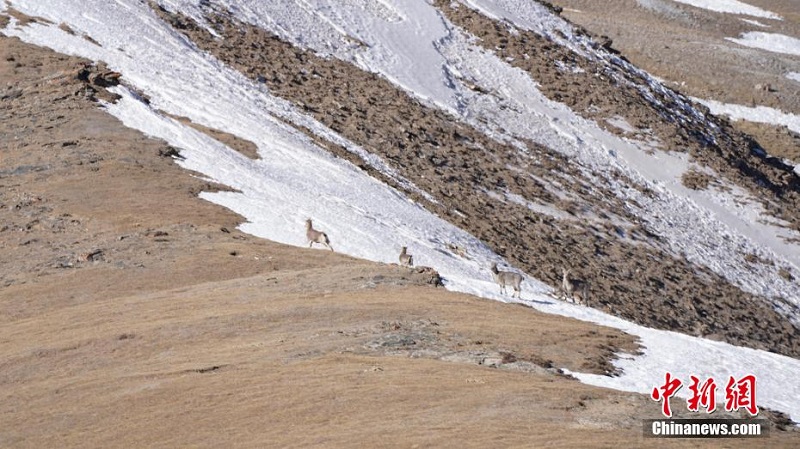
pixel 702 395
pixel 666 391
pixel 739 393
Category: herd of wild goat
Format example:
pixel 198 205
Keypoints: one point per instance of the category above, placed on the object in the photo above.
pixel 576 290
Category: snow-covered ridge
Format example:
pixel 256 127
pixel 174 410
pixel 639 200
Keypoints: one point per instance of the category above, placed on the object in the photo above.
pixel 410 44
pixel 532 16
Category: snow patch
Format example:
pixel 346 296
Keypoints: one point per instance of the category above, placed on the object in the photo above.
pixel 758 114
pixel 776 43
pixel 731 7
pixel 621 123
pixel 755 23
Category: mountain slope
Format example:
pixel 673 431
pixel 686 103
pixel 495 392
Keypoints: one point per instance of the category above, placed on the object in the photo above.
pixel 178 333
pixel 694 50
pixel 474 140
pixel 131 320
pixel 452 162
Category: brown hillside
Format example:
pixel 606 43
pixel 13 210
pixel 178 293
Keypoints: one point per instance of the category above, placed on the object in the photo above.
pixel 133 314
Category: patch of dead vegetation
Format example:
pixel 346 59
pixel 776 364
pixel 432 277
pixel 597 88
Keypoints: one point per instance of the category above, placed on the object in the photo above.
pixel 66 28
pixel 778 141
pixel 244 147
pixel 91 39
pixel 755 259
pixel 24 19
pixel 696 180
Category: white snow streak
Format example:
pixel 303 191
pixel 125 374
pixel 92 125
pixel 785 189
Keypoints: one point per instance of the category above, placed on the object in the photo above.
pixel 776 43
pixel 731 7
pixel 755 23
pixel 758 114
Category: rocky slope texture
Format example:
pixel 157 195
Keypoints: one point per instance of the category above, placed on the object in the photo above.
pixel 603 92
pixel 633 277
pixel 688 47
pixel 134 314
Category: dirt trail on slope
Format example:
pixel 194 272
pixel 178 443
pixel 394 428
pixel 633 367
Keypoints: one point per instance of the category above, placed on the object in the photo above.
pixel 134 314
pixel 632 276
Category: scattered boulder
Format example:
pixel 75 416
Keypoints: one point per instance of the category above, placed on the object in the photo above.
pixel 430 275
pixel 95 255
pixel 105 78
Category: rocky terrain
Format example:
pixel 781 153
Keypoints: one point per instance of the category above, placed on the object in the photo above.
pixel 636 278
pixel 134 313
pixel 686 46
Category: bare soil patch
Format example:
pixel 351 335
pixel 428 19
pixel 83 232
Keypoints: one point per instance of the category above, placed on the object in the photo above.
pixel 245 147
